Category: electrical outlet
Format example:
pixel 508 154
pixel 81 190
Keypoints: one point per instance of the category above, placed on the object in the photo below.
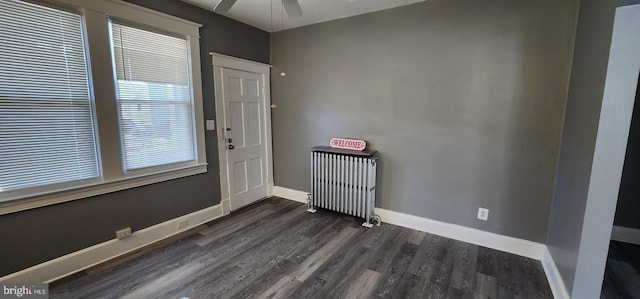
pixel 483 214
pixel 123 233
pixel 182 223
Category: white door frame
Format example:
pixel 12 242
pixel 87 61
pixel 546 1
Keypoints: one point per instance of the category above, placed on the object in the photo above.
pixel 220 61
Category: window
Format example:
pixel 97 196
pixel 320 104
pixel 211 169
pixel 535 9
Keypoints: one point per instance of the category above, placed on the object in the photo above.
pixel 83 112
pixel 154 97
pixel 46 119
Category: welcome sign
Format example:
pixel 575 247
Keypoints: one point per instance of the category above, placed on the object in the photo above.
pixel 348 144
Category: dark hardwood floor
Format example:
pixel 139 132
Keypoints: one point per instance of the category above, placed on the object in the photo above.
pixel 622 273
pixel 275 249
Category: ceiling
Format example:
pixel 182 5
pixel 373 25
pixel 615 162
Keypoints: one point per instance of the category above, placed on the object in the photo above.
pixel 259 13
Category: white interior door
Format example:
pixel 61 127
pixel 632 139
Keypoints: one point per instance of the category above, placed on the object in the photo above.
pixel 244 115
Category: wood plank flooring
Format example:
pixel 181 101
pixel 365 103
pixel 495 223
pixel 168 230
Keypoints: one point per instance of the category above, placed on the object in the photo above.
pixel 275 249
pixel 622 273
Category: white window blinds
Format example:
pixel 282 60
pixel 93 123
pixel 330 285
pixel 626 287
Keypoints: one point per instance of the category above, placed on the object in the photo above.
pixel 154 97
pixel 46 126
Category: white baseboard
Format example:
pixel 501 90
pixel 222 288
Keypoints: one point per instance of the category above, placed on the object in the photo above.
pixel 626 234
pixel 290 194
pixel 553 276
pixel 77 261
pixel 516 246
pixel 509 244
pixel 513 245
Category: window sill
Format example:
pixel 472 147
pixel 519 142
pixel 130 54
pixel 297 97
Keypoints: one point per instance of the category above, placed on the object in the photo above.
pixel 52 198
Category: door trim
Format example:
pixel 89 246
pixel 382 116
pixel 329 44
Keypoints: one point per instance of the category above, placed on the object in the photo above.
pixel 220 61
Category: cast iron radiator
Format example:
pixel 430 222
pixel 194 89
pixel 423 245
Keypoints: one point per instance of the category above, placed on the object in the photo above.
pixel 344 181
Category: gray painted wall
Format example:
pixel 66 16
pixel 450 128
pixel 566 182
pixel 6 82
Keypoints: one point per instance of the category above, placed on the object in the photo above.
pixel 608 160
pixel 464 100
pixel 594 141
pixel 38 235
pixel 629 2
pixel 579 135
pixel 628 207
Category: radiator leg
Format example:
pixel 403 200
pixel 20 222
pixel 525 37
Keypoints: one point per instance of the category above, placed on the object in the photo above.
pixel 311 208
pixel 375 219
pixel 367 222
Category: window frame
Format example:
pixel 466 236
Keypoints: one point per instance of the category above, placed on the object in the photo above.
pixel 163 167
pixel 97 16
pixel 39 190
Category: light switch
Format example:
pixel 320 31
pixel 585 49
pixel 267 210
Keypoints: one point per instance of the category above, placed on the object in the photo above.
pixel 211 124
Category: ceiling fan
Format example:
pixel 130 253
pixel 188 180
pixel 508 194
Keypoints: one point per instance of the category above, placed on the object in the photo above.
pixel 291 6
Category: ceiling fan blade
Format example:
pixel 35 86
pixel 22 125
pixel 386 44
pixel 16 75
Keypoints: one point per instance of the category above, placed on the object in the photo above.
pixel 224 5
pixel 292 7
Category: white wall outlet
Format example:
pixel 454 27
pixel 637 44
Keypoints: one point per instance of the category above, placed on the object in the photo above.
pixel 123 233
pixel 483 214
pixel 211 124
pixel 182 223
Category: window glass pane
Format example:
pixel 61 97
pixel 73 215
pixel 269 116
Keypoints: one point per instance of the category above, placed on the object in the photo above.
pixel 46 119
pixel 154 97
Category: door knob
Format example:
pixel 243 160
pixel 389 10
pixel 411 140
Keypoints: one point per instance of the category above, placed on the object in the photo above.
pixel 231 146
pixel 229 140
